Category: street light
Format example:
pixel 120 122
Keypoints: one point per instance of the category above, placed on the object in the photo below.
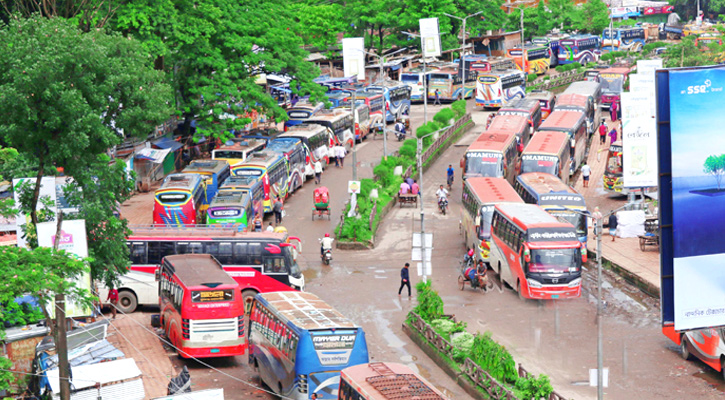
pixel 353 107
pixel 420 192
pixel 425 76
pixel 463 53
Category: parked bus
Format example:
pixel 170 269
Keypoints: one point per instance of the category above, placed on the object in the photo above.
pixel 479 196
pixel 385 381
pixel 547 101
pixel 493 154
pixel 272 169
pixel 613 170
pixel 231 208
pixel 301 112
pixel 580 103
pixel 375 102
pixel 339 122
pixel 416 80
pixel 517 124
pixel 336 83
pixel 362 118
pixel 706 344
pixel 582 49
pixel 535 59
pixel 551 41
pixel 449 83
pixel 573 123
pixel 294 151
pixel 612 80
pixel 556 198
pixel 316 139
pixel 591 89
pixel 202 311
pixel 548 152
pixel 624 38
pixel 494 89
pixel 536 253
pixel 299 344
pixel 251 185
pixel 529 108
pixel 214 173
pixel 491 64
pixel 265 134
pixel 397 98
pixel 236 151
pixel 258 262
pixel 179 200
pixel 337 97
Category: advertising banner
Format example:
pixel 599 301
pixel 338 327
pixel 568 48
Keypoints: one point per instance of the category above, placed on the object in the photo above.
pixel 73 240
pixel 698 196
pixel 430 37
pixel 648 67
pixel 353 57
pixel 639 140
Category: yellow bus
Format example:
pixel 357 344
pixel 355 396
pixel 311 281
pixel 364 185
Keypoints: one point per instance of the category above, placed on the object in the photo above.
pixel 535 60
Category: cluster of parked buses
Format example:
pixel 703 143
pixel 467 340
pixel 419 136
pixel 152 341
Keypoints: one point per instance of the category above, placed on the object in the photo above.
pixel 519 212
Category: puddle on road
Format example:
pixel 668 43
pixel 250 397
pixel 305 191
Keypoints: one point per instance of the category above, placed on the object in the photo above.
pixel 712 378
pixel 311 274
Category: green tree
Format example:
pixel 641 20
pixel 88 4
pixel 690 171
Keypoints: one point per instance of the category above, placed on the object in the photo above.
pixel 592 17
pixel 320 24
pixel 715 166
pixel 686 54
pixel 85 14
pixel 562 14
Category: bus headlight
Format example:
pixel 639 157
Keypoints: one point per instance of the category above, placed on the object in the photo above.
pixel 533 284
pixel 576 282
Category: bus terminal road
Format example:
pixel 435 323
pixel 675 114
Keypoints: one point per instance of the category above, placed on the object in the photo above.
pixel 556 338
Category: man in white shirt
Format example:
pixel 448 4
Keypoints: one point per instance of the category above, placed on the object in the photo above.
pixel 586 172
pixel 332 154
pixel 340 152
pixel 318 171
pixel 270 227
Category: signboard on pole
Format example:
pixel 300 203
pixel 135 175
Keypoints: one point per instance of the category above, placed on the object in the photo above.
pixel 647 67
pixel 639 141
pixel 430 37
pixel 353 57
pixel 353 187
pixel 692 197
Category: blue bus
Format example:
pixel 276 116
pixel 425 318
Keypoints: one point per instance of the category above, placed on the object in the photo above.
pixel 337 97
pixel 213 172
pixel 300 112
pixel 335 83
pixel 397 98
pixel 625 38
pixel 299 344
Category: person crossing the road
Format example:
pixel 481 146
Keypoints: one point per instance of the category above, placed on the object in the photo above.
pixel 404 279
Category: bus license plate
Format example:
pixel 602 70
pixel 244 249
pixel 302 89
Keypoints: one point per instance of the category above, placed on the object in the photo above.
pixel 214 350
pixel 554 296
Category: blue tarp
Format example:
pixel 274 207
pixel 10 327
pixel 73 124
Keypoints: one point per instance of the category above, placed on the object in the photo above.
pixel 166 143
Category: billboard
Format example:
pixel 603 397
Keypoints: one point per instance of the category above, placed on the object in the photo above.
pixel 639 141
pixel 353 57
pixel 692 196
pixel 430 37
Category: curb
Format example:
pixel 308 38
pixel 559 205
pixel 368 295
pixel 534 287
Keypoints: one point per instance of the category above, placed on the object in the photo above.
pixel 629 276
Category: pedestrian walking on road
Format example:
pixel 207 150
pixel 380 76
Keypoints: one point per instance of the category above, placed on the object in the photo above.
pixel 404 279
pixel 597 220
pixel 270 227
pixel 586 172
pixel 603 133
pixel 613 136
pixel 613 111
pixel 318 171
pixel 258 224
pixel 572 147
pixel 278 207
pixel 437 97
pixel 613 222
pixel 332 155
pixel 341 152
pixel 113 299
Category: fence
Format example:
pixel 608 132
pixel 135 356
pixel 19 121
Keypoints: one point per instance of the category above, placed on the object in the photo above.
pixel 477 374
pixel 563 78
pixel 447 134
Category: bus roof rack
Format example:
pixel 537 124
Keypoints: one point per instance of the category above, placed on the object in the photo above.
pixel 190 230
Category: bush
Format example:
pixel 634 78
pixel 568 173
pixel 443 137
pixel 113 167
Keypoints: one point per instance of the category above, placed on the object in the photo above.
pixel 494 358
pixel 531 77
pixel 592 65
pixel 430 305
pixel 534 388
pixel 607 57
pixel 444 117
pixel 559 68
pixel 383 173
pixel 409 149
pixel 547 77
pixel 575 65
pixel 459 107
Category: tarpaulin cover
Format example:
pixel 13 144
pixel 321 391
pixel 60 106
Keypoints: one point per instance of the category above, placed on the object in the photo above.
pixel 166 143
pixel 154 155
pixel 630 223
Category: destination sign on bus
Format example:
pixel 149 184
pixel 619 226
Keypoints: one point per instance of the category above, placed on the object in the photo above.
pixel 173 197
pixel 485 157
pixel 333 341
pixel 488 79
pixel 551 235
pixel 205 296
pixel 543 161
pixel 248 172
pixel 225 212
pixel 610 76
pixel 561 200
pixel 298 114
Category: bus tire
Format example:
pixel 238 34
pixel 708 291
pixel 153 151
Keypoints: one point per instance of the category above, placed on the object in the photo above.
pixel 722 367
pixel 248 296
pixel 684 350
pixel 518 290
pixel 127 301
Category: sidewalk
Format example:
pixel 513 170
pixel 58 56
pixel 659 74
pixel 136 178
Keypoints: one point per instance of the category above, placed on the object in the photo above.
pixel 642 267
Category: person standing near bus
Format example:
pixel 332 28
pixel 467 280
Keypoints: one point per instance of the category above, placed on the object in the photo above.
pixel 603 133
pixel 613 111
pixel 332 155
pixel 318 171
pixel 340 152
pixel 437 97
pixel 404 279
pixel 586 172
pixel 613 222
pixel 113 299
pixel 277 208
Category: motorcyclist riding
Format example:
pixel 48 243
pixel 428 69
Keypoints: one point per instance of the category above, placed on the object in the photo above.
pixel 468 258
pixel 399 130
pixel 326 244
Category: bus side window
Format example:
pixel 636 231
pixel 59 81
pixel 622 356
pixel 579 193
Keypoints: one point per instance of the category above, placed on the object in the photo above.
pixel 254 252
pixel 240 254
pixel 224 254
pixel 159 250
pixel 274 265
pixel 138 252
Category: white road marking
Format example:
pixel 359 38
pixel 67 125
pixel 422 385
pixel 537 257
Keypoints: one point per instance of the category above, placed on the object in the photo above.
pixel 380 277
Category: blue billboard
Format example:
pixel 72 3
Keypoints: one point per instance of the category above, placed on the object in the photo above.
pixel 692 196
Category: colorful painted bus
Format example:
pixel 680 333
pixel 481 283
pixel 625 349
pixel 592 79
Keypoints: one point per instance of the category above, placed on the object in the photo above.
pixel 258 262
pixel 232 208
pixel 335 83
pixel 270 168
pixel 375 102
pixel 416 80
pixel 529 108
pixel 397 97
pixel 450 84
pixel 298 344
pixel 339 122
pixel 493 154
pixel 624 38
pixel 552 41
pixel 534 60
pixel 301 112
pixel 582 49
pixel 179 200
pixel 547 152
pixel 490 64
pixel 202 311
pixel 235 151
pixel 316 139
pixel 583 104
pixel 251 185
pixel 612 80
pixel 546 99
pixel 294 151
pixel 214 173
pixel 494 89
pixel 706 344
pixel 385 381
pixel 613 170
pixel 556 198
pixel 479 196
pixel 337 97
pixel 536 253
pixel 574 124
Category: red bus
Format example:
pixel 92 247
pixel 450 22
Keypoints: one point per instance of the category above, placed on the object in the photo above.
pixel 385 381
pixel 529 108
pixel 518 124
pixel 179 200
pixel 583 104
pixel 548 152
pixel 259 262
pixel 536 253
pixel 574 124
pixel 202 311
pixel 493 154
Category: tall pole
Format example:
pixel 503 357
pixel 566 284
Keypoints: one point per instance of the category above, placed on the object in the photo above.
pixel 425 84
pixel 522 35
pixel 353 106
pixel 463 52
pixel 422 213
pixel 61 344
pixel 600 349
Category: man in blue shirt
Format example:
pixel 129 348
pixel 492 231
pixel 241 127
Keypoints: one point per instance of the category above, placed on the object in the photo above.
pixel 450 173
pixel 404 279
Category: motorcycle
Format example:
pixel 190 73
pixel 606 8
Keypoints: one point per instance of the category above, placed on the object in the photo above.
pixel 400 132
pixel 326 256
pixel 442 205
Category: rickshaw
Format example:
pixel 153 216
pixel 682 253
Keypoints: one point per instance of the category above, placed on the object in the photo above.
pixel 321 198
pixel 475 277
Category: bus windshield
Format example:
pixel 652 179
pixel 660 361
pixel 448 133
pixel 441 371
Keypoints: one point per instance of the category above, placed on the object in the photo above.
pixel 228 154
pixel 409 78
pixel 554 260
pixel 611 85
pixel 484 164
pixel 546 164
pixel 578 220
